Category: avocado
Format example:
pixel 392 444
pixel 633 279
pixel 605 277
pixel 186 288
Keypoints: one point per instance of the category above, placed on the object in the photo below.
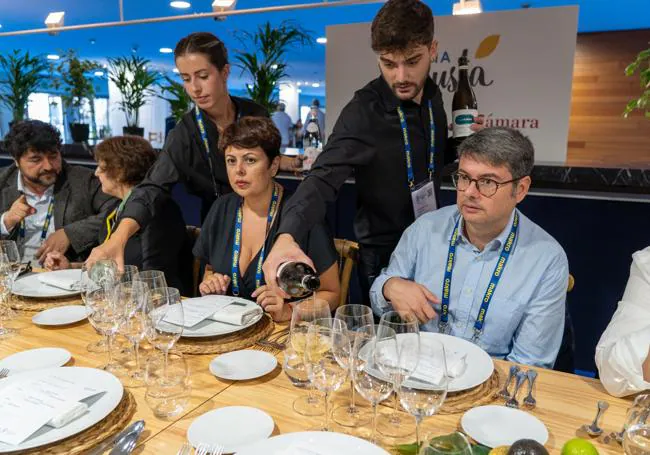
pixel 527 447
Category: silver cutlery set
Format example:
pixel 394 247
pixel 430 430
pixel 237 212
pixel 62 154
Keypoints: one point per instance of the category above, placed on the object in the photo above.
pixel 520 378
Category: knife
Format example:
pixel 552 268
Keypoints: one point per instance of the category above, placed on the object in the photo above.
pixel 110 442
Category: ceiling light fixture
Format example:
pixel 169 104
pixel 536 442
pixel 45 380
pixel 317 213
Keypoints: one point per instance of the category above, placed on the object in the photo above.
pixel 219 6
pixel 53 57
pixel 315 85
pixel 99 73
pixel 166 50
pixel 175 70
pixel 55 20
pixel 180 5
pixel 467 7
pixel 321 40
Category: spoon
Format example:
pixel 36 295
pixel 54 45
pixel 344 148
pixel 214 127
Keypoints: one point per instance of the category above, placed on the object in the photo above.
pixel 126 444
pixel 594 429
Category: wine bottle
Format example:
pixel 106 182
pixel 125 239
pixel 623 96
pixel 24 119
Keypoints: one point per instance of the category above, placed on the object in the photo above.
pixel 297 279
pixel 464 106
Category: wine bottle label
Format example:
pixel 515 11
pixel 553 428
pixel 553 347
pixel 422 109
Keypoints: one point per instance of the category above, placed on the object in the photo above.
pixel 462 120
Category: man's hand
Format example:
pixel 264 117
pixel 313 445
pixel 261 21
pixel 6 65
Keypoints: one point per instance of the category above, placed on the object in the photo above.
pixel 284 249
pixel 56 261
pixel 291 163
pixel 18 211
pixel 409 296
pixel 215 283
pixel 646 368
pixel 58 242
pixel 272 303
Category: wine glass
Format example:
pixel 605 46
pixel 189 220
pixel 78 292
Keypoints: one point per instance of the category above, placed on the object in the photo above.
pixel 353 317
pixel 105 315
pixel 5 293
pixel 325 346
pixel 163 305
pixel 636 440
pixel 367 380
pixel 10 256
pixel 304 313
pixel 450 444
pixel 133 296
pixel 152 278
pixel 168 385
pixel 407 330
pixel 127 275
pixel 102 273
pixel 424 397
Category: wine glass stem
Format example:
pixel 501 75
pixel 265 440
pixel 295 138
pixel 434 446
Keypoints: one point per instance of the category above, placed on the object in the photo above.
pixel 136 348
pixel 109 343
pixel 166 354
pixel 418 421
pixel 395 402
pixel 374 422
pixel 327 411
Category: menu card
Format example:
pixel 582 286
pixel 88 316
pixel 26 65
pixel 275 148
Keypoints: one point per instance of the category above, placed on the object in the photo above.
pixel 25 406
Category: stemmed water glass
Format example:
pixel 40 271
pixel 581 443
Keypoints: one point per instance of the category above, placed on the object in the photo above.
pixel 407 330
pixel 152 278
pixel 5 293
pixel 326 344
pixel 424 397
pixel 163 306
pixel 304 314
pixel 105 315
pixel 10 258
pixel 102 274
pixel 127 275
pixel 133 296
pixel 353 317
pixel 367 380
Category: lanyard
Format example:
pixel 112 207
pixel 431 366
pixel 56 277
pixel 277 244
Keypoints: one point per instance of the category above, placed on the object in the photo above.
pixel 407 145
pixel 46 224
pixel 112 217
pixel 236 248
pixel 494 281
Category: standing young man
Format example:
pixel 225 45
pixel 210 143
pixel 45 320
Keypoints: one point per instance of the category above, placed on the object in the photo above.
pixel 392 134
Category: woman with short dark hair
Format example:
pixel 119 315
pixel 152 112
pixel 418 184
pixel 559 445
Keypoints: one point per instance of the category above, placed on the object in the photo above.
pixel 251 149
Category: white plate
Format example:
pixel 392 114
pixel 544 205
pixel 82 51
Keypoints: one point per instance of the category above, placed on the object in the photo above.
pixel 210 328
pixel 31 286
pixel 243 365
pixel 35 359
pixel 479 363
pixel 232 427
pixel 62 315
pixel 99 406
pixel 320 442
pixel 495 426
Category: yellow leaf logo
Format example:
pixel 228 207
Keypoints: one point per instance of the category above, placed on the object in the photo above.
pixel 487 46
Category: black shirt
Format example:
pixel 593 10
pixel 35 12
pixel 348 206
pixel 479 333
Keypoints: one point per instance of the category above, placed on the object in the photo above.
pixel 367 139
pixel 183 159
pixel 215 243
pixel 162 245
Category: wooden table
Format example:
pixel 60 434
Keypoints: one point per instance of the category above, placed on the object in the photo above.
pixel 565 402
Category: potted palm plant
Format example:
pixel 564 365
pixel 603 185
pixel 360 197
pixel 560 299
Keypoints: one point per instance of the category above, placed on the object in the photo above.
pixel 642 65
pixel 135 82
pixel 174 93
pixel 71 77
pixel 264 59
pixel 21 75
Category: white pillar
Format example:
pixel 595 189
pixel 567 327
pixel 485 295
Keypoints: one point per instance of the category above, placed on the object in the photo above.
pixel 289 96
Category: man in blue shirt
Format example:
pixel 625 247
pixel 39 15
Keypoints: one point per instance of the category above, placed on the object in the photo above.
pixel 481 270
pixel 283 123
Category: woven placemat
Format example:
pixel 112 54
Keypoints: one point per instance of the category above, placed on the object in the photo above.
pixel 112 424
pixel 226 343
pixel 29 304
pixel 458 402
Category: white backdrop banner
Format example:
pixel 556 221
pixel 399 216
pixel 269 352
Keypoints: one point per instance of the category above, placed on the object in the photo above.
pixel 521 69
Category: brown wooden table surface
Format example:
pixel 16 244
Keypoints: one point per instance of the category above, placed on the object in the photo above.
pixel 565 401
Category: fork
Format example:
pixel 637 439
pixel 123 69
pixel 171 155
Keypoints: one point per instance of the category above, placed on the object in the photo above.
pixel 512 402
pixel 4 373
pixel 529 400
pixel 185 449
pixel 504 392
pixel 206 449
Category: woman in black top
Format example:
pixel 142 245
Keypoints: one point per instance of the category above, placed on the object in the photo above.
pixel 122 163
pixel 190 154
pixel 235 256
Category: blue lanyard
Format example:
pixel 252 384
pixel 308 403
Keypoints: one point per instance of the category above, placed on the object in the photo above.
pixel 407 145
pixel 236 247
pixel 494 281
pixel 46 225
pixel 206 145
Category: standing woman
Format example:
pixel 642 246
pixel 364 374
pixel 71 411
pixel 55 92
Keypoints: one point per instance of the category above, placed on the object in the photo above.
pixel 190 154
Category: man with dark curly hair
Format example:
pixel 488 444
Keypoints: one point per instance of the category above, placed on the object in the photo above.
pixel 48 205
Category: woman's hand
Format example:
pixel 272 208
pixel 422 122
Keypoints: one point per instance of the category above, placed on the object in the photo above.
pixel 56 260
pixel 215 283
pixel 272 303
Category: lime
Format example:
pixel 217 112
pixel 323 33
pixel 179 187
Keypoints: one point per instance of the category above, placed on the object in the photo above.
pixel 579 446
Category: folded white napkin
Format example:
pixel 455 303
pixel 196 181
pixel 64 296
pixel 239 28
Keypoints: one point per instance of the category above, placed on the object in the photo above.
pixel 237 313
pixel 67 413
pixel 427 372
pixel 68 284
